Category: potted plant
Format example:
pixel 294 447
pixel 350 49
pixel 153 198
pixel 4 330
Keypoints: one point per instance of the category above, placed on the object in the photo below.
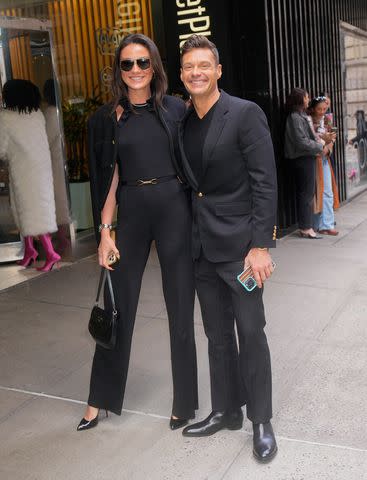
pixel 76 112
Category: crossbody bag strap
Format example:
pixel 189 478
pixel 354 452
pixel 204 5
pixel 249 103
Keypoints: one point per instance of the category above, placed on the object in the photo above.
pixel 106 274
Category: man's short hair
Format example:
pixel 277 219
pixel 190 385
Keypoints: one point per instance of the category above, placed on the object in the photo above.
pixel 199 41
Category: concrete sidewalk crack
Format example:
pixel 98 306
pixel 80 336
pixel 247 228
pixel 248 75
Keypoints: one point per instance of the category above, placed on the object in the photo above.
pixel 163 417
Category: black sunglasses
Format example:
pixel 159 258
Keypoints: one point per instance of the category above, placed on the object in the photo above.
pixel 127 65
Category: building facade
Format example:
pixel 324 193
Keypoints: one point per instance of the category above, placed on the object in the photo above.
pixel 266 49
pixel 272 46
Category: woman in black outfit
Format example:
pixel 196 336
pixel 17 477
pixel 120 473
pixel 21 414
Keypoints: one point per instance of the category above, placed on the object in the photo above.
pixel 132 153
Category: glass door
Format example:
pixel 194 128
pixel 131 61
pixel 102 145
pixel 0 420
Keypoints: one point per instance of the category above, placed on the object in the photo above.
pixel 26 52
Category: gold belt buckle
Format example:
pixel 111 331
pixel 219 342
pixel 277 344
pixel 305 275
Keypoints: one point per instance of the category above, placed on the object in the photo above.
pixel 152 181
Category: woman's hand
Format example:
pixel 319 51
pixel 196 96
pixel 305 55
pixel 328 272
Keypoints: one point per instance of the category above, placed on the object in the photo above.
pixel 329 137
pixel 106 246
pixel 328 149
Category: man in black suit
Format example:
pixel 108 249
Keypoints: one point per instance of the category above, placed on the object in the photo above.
pixel 228 159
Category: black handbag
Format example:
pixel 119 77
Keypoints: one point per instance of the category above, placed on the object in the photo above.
pixel 103 323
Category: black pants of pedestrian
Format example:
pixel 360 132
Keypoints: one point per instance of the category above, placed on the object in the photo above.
pixel 235 378
pixel 153 212
pixel 305 178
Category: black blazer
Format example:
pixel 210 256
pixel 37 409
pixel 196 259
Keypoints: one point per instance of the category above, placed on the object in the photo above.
pixel 235 205
pixel 103 148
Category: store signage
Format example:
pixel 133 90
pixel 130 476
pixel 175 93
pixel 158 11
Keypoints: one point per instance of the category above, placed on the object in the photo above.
pixel 108 40
pixel 191 19
pixel 106 77
pixel 129 21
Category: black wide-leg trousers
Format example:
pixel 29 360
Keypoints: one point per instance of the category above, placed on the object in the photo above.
pixel 305 180
pixel 153 212
pixel 236 377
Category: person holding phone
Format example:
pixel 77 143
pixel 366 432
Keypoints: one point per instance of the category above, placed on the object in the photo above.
pixel 327 196
pixel 133 157
pixel 228 159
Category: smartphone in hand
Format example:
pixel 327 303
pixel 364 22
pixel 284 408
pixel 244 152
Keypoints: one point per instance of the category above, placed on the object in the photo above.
pixel 247 279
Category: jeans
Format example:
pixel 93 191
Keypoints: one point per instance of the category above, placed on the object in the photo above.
pixel 325 220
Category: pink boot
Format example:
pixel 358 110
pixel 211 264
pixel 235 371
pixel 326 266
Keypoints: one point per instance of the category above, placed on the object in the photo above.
pixel 51 256
pixel 30 253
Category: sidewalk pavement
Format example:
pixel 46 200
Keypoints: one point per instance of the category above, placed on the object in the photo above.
pixel 316 306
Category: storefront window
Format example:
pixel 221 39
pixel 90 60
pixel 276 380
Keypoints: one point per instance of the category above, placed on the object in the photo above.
pixel 355 114
pixel 86 33
pixel 75 47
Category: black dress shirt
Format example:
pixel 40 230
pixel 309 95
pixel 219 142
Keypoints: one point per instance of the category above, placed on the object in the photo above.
pixel 196 130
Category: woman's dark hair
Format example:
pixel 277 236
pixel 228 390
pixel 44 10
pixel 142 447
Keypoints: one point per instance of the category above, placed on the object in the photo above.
pixel 49 92
pixel 21 95
pixel 159 81
pixel 295 100
pixel 315 101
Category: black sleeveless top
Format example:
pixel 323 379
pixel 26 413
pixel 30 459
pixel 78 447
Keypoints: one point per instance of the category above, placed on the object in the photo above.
pixel 143 146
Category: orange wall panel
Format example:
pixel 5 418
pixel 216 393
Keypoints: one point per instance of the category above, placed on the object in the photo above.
pixel 85 33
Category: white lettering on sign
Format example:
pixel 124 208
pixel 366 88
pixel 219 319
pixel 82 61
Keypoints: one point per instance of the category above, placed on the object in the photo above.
pixel 191 19
pixel 129 14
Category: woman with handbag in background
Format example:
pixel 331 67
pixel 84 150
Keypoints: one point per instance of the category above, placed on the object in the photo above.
pixel 132 154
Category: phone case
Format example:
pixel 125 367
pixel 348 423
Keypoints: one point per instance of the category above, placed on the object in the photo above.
pixel 247 280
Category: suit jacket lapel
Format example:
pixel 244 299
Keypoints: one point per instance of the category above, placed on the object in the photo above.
pixel 216 126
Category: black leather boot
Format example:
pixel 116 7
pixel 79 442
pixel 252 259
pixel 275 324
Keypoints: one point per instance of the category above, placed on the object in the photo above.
pixel 265 445
pixel 231 419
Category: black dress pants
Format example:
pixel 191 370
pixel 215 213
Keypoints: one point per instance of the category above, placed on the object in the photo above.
pixel 235 378
pixel 305 179
pixel 153 212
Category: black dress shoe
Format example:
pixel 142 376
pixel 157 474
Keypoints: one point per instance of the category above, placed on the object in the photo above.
pixel 176 423
pixel 88 424
pixel 232 420
pixel 265 446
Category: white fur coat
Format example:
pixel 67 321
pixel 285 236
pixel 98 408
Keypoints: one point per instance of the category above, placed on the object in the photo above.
pixel 24 144
pixel 58 168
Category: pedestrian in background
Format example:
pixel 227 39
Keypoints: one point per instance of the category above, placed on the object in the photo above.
pixel 326 193
pixel 58 166
pixel 24 144
pixel 329 125
pixel 301 148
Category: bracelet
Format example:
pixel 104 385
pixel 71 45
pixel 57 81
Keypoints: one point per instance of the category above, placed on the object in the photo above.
pixel 262 248
pixel 103 226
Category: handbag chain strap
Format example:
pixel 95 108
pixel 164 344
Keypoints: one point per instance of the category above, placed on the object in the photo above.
pixel 106 274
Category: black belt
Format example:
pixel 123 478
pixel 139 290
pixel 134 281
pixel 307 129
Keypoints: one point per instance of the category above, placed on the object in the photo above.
pixel 150 181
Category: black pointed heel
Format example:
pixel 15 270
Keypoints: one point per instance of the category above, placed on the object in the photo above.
pixel 88 424
pixel 176 423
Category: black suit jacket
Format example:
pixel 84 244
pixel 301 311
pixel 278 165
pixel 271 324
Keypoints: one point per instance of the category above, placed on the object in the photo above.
pixel 235 205
pixel 103 148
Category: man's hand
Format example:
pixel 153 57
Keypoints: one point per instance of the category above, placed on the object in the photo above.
pixel 260 262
